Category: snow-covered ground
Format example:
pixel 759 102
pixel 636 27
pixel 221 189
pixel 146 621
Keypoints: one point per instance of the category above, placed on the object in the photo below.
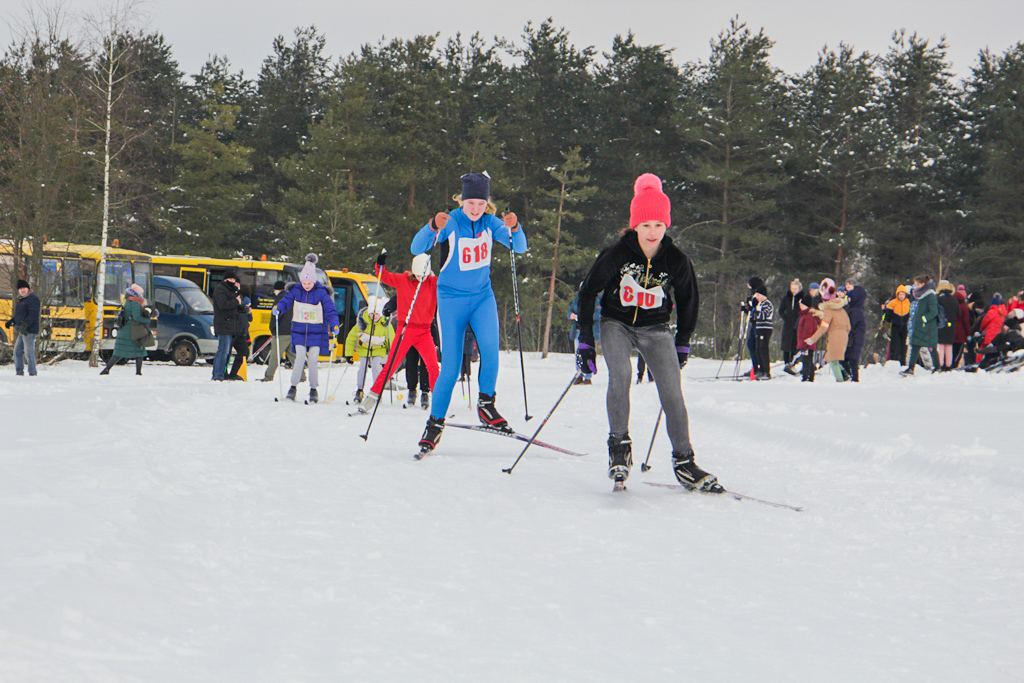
pixel 169 528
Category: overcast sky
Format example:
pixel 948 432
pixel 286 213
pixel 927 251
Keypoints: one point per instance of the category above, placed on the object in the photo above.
pixel 243 30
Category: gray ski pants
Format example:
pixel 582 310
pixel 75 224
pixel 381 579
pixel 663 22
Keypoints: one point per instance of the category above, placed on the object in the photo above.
pixel 657 345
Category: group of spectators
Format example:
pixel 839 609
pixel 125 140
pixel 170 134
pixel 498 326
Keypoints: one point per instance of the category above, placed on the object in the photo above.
pixel 942 323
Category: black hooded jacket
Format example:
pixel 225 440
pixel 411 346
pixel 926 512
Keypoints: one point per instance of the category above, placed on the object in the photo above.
pixel 639 292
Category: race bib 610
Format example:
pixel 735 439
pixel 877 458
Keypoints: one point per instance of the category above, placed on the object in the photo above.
pixel 474 252
pixel 632 294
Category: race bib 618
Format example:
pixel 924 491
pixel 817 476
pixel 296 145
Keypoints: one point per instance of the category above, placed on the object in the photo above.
pixel 474 252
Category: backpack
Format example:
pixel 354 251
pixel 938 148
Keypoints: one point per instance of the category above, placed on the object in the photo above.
pixel 122 318
pixel 943 322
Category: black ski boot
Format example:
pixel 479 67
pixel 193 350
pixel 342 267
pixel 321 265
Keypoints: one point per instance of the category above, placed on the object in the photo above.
pixel 425 400
pixel 290 396
pixel 431 435
pixel 488 414
pixel 410 400
pixel 358 398
pixel 313 396
pixel 691 476
pixel 620 458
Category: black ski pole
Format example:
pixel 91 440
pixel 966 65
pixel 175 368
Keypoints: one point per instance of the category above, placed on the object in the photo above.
pixel 405 326
pixel 579 373
pixel 519 328
pixel 645 467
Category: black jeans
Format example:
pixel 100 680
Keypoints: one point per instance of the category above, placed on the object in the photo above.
pixel 416 371
pixel 761 359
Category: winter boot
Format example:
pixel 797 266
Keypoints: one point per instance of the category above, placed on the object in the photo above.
pixel 690 475
pixel 313 397
pixel 410 399
pixel 620 457
pixel 425 400
pixel 908 372
pixel 488 415
pixel 290 396
pixel 432 434
pixel 358 397
pixel 369 401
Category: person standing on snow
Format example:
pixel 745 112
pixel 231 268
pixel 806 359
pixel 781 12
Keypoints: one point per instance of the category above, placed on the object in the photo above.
pixel 227 309
pixel 789 311
pixel 369 341
pixel 896 312
pixel 465 297
pixel 923 325
pixel 314 325
pixel 422 284
pixel 835 322
pixel 26 322
pixel 762 316
pixel 857 296
pixel 282 329
pixel 640 276
pixel 134 335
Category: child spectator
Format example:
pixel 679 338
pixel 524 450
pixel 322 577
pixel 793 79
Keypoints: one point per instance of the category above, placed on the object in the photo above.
pixel 369 342
pixel 836 323
pixel 806 325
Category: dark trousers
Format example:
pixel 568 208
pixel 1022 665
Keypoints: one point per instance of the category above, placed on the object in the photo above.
pixel 807 366
pixel 240 344
pixel 898 346
pixel 416 371
pixel 761 359
pixel 114 360
pixel 915 357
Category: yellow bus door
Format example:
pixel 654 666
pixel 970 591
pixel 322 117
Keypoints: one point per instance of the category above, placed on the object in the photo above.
pixel 196 275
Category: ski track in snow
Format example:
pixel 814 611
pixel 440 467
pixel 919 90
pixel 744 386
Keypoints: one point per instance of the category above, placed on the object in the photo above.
pixel 168 528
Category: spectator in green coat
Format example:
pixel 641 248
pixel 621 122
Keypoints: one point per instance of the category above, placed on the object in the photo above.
pixel 923 329
pixel 136 314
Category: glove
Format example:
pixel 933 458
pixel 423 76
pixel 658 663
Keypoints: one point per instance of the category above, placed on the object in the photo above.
pixel 9 323
pixel 334 331
pixel 382 258
pixel 683 354
pixel 274 311
pixel 510 221
pixel 438 221
pixel 586 359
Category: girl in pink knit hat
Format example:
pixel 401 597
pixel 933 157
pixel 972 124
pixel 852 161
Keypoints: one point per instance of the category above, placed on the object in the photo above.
pixel 640 277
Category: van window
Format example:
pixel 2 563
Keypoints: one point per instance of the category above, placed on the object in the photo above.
pixel 197 301
pixel 164 300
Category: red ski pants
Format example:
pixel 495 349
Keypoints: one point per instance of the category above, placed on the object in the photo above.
pixel 415 337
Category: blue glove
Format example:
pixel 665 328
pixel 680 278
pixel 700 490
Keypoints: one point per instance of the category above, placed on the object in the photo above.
pixel 683 354
pixel 586 359
pixel 274 311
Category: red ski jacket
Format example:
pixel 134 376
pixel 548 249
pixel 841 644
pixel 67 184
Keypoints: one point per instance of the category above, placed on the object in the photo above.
pixel 405 287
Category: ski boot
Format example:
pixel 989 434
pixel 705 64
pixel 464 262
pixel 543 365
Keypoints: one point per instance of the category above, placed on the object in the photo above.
pixel 313 396
pixel 620 459
pixel 410 400
pixel 425 400
pixel 369 401
pixel 358 397
pixel 290 396
pixel 431 436
pixel 693 477
pixel 488 414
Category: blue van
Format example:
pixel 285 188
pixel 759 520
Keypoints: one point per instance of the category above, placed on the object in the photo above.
pixel 185 326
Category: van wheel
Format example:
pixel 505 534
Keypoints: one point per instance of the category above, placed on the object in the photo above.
pixel 184 352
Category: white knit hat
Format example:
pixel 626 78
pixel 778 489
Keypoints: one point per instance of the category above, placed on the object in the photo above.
pixel 308 273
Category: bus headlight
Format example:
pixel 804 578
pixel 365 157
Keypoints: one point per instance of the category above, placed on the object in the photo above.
pixel 113 332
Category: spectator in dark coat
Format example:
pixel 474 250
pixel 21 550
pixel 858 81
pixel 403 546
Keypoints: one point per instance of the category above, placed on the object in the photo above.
pixel 240 340
pixel 789 311
pixel 857 295
pixel 896 313
pixel 131 339
pixel 962 326
pixel 26 322
pixel 227 309
pixel 949 311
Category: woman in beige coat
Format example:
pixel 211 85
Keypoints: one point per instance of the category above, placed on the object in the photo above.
pixel 836 323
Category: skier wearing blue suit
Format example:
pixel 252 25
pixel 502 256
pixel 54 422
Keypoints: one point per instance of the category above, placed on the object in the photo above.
pixel 465 297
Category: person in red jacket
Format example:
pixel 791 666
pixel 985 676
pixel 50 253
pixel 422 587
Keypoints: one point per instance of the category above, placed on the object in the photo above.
pixel 992 321
pixel 807 325
pixel 417 333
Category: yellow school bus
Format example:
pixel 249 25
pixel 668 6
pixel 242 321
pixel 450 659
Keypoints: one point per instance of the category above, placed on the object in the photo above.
pixel 61 289
pixel 256 278
pixel 350 293
pixel 124 268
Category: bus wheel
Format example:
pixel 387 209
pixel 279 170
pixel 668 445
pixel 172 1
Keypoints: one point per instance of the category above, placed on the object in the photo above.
pixel 184 352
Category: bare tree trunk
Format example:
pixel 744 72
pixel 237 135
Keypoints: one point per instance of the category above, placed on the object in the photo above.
pixel 842 223
pixel 554 270
pixel 101 268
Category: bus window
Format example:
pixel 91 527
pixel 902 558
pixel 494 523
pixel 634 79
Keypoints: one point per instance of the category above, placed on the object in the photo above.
pixel 74 283
pixel 118 279
pixel 263 288
pixel 144 276
pixel 246 282
pixel 341 298
pixel 7 276
pixel 52 293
